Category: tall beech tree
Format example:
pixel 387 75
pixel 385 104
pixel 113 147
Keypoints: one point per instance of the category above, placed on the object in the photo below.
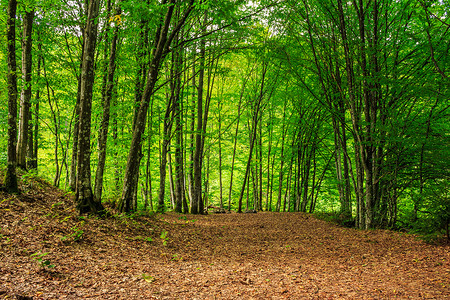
pixel 163 39
pixel 11 176
pixel 82 11
pixel 33 130
pixel 168 120
pixel 197 201
pixel 107 95
pixel 86 201
pixel 25 95
pixel 176 86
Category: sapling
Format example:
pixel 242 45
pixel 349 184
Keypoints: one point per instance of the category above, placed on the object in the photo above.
pixel 39 257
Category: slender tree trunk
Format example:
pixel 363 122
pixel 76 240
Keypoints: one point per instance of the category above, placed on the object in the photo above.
pixel 269 150
pixel 142 53
pixel 260 193
pixel 163 41
pixel 25 96
pixel 280 177
pixel 130 180
pixel 33 136
pixel 76 128
pixel 219 107
pixel 338 164
pixel 206 183
pixel 294 189
pixel 108 94
pixel 84 195
pixel 148 176
pixel 346 178
pixel 183 139
pixel 115 151
pixel 272 176
pixel 359 189
pixel 177 58
pixel 305 180
pixel 168 120
pixel 300 171
pixel 287 194
pixel 11 176
pixel 192 137
pixel 256 113
pixel 56 131
pixel 355 117
pixel 31 163
pixel 234 148
pixel 249 160
pixel 247 202
pixel 179 172
pixel 197 204
pixel 76 125
pixel 171 181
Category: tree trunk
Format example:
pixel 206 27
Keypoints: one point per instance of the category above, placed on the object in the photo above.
pixel 256 112
pixel 25 96
pixel 280 178
pixel 56 124
pixel 192 137
pixel 148 176
pixel 260 193
pixel 76 128
pixel 33 136
pixel 171 181
pixel 167 129
pixel 235 146
pixel 11 176
pixel 178 115
pixel 86 203
pixel 219 107
pixel 197 203
pixel 269 151
pixel 76 125
pixel 103 135
pixel 163 41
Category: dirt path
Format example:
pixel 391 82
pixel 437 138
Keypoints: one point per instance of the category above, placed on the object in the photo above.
pixel 217 256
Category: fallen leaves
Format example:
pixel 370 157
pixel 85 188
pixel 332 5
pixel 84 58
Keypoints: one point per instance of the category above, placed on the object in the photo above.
pixel 218 256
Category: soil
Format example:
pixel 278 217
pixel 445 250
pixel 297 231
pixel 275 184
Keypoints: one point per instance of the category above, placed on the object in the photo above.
pixel 47 251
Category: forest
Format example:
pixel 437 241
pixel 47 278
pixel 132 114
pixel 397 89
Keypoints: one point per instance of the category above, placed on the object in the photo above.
pixel 338 108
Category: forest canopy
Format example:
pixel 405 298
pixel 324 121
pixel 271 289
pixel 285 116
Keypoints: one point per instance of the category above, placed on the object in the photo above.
pixel 313 106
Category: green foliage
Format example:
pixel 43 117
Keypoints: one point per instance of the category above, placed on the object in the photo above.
pixel 141 238
pixel 433 218
pixel 3 236
pixel 76 235
pixel 337 218
pixel 40 259
pixel 28 178
pixel 164 237
pixel 176 257
pixel 148 278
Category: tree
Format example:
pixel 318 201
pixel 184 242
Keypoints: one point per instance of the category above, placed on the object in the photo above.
pixel 106 103
pixel 162 43
pixel 197 201
pixel 10 176
pixel 84 195
pixel 25 96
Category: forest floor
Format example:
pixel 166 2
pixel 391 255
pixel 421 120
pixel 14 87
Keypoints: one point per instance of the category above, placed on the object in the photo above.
pixel 48 252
